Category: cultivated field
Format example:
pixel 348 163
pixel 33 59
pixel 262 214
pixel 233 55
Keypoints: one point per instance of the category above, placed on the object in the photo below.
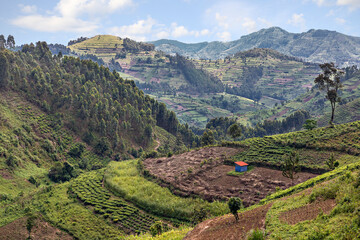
pixel 203 173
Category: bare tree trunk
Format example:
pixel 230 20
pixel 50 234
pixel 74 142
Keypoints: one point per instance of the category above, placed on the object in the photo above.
pixel 332 112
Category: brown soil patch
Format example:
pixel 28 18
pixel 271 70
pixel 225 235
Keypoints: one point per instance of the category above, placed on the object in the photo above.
pixel 5 174
pixel 225 227
pixel 307 212
pixel 209 180
pixel 41 230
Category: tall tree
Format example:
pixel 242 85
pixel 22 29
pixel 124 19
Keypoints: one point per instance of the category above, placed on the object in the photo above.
pixel 10 41
pixel 329 81
pixel 2 41
pixel 234 131
pixel 4 70
pixel 291 165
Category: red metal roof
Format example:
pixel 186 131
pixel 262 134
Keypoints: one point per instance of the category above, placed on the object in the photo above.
pixel 241 163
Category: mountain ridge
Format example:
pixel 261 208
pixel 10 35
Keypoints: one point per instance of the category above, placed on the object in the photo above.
pixel 315 45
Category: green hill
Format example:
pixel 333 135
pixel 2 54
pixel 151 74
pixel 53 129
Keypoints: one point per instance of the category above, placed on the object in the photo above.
pixel 194 89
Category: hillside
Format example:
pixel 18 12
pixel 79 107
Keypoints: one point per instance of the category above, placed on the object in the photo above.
pixel 317 105
pixel 200 90
pixel 284 214
pixel 315 46
pixel 263 74
pixel 62 120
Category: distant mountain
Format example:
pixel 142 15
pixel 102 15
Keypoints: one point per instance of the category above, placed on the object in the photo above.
pixel 313 46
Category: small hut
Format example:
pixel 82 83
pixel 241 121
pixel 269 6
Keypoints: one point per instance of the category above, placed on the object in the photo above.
pixel 241 166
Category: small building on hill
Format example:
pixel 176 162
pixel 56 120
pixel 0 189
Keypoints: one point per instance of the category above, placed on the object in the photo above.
pixel 241 166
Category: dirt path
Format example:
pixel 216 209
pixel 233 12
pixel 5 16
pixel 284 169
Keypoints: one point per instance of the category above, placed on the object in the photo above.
pixel 158 144
pixel 225 227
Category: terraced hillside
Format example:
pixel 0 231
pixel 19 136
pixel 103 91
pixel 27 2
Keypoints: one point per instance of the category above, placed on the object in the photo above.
pixel 263 75
pixel 325 207
pixel 317 105
pixel 209 172
pixel 278 77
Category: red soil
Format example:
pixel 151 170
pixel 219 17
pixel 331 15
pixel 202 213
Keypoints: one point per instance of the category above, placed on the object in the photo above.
pixel 225 227
pixel 307 212
pixel 189 174
pixel 41 230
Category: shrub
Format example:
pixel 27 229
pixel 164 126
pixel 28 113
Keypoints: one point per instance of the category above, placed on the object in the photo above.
pixel 235 205
pixel 156 228
pixel 256 234
pixel 77 150
pixel 12 161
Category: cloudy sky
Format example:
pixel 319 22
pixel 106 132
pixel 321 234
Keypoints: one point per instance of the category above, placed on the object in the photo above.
pixel 58 21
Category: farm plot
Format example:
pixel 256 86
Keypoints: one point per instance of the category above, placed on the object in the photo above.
pixel 88 188
pixel 210 180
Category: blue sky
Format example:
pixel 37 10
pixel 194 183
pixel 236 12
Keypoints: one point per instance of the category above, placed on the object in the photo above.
pixel 58 21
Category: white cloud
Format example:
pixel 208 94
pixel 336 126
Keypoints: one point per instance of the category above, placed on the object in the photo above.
pixel 319 2
pixel 179 31
pixel 162 34
pixel 54 24
pixel 340 21
pixel 74 8
pixel 28 9
pixel 353 4
pixel 68 15
pixel 234 18
pixel 222 20
pixel 136 31
pixel 249 25
pixel 297 20
pixel 224 36
pixel 204 32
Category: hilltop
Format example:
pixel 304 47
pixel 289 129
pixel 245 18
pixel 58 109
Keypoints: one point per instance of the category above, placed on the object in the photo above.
pixel 315 46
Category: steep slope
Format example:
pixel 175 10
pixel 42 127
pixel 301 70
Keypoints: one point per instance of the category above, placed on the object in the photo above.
pixel 59 119
pixel 312 46
pixel 95 103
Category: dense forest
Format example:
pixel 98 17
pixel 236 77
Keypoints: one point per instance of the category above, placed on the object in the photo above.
pixel 198 78
pixel 111 114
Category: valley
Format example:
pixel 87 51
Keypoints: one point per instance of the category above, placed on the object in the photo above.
pixel 116 140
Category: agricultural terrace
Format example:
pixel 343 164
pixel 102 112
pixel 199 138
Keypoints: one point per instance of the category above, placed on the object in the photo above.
pixel 88 188
pixel 314 147
pixel 203 173
pixel 124 179
pixel 324 207
pixel 278 75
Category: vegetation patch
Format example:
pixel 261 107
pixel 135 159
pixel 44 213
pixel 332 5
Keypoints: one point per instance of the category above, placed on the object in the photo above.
pixel 124 179
pixel 88 188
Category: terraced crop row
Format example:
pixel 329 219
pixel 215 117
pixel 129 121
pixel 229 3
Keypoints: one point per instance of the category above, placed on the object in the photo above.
pixel 88 188
pixel 314 146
